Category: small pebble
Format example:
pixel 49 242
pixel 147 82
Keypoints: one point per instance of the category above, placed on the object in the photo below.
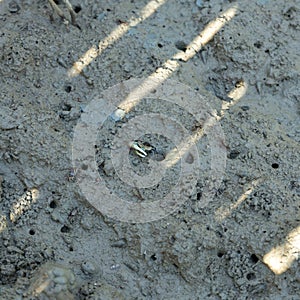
pixel 262 2
pixel 119 244
pixel 82 108
pixel 60 280
pixel 65 112
pixel 88 268
pixel 115 267
pixel 74 113
pixel 57 289
pixel 86 224
pixel 101 16
pixel 57 217
pixel 14 249
pixel 58 272
pixel 108 168
pixel 90 81
pixel 199 3
pixel 118 115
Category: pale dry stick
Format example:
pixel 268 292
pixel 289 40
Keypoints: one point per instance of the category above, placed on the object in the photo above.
pixel 61 14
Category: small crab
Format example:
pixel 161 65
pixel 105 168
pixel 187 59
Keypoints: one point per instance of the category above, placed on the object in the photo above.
pixel 141 148
pixel 72 175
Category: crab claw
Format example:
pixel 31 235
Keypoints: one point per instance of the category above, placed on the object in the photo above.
pixel 138 149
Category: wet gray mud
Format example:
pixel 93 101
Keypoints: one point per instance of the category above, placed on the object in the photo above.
pixel 243 245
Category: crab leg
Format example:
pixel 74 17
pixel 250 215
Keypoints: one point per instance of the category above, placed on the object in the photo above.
pixel 57 9
pixel 138 150
pixel 71 11
pixel 60 12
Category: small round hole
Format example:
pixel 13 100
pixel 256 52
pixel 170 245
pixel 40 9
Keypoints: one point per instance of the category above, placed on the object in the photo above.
pixel 77 9
pixel 153 257
pixel 258 45
pixel 24 274
pixel 52 204
pixel 65 229
pixel 254 258
pixel 275 166
pixel 220 254
pixel 180 45
pixel 32 232
pixel 234 154
pixel 159 45
pixel 68 88
pixel 250 276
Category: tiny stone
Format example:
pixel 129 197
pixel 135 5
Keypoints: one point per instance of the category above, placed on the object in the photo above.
pixel 118 115
pixel 101 16
pixel 199 3
pixel 82 108
pixel 86 224
pixel 58 272
pixel 74 113
pixel 14 249
pixel 119 244
pixel 60 280
pixel 57 289
pixel 90 81
pixel 88 268
pixel 55 85
pixel 57 217
pixel 108 168
pixel 115 267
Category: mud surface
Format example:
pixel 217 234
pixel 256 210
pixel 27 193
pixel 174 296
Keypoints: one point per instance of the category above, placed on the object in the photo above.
pixel 243 245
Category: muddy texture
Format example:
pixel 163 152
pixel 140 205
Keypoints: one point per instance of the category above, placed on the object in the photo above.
pixel 55 245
